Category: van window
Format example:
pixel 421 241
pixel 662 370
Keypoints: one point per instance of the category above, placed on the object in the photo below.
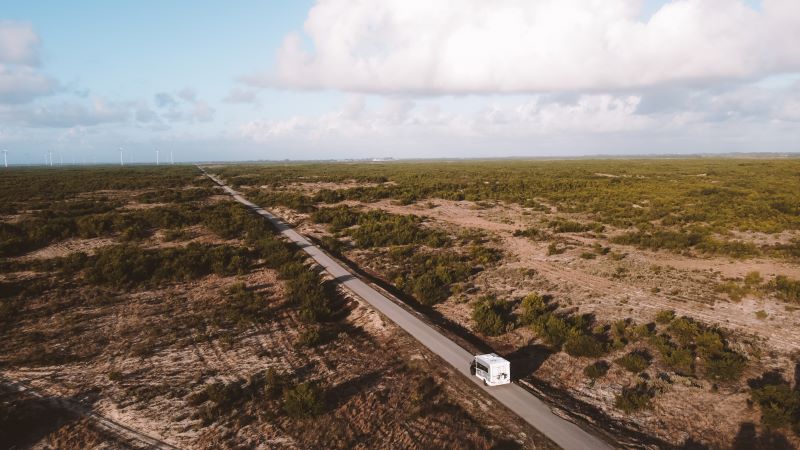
pixel 480 366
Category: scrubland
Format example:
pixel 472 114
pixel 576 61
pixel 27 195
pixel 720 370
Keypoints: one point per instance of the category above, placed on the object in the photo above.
pixel 145 297
pixel 659 299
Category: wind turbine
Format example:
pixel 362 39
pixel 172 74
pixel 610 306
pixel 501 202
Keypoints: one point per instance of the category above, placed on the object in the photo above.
pixel 171 159
pixel 157 161
pixel 5 158
pixel 121 162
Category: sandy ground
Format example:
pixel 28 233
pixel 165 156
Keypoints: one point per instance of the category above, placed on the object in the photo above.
pixel 64 248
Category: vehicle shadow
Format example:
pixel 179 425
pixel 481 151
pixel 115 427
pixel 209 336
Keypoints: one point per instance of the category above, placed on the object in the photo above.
pixel 527 360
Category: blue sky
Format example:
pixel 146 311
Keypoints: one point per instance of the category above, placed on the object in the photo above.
pixel 359 79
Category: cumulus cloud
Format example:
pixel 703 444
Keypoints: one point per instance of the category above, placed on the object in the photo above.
pixel 20 79
pixel 19 44
pixel 522 46
pixel 67 114
pixel 532 117
pixel 593 117
pixel 23 84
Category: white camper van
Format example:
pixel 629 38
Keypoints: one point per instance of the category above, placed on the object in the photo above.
pixel 492 369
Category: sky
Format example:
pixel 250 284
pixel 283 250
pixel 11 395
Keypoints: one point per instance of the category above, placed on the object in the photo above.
pixel 339 79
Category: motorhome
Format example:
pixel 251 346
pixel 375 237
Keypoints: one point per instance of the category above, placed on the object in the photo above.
pixel 492 369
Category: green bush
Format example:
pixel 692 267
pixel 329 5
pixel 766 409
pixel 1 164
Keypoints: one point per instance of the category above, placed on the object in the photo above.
pixel 428 276
pixel 634 362
pixel 596 370
pixel 240 306
pixel 779 403
pixel 634 398
pixel 491 316
pixel 553 329
pixel 131 266
pixel 303 401
pixel 570 226
pixel 555 248
pixel 786 288
pixel 532 307
pixel 725 366
pixel 308 292
pixel 533 234
pixel 579 344
pixel 309 337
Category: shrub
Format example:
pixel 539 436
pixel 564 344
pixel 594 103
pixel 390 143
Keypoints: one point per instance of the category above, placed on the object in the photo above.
pixel 428 289
pixel 779 403
pixel 553 329
pixel 555 249
pixel 533 233
pixel 115 375
pixel 240 306
pixel 428 276
pixel 307 291
pixel 129 266
pixel 725 366
pixel 680 360
pixel 753 279
pixel 303 401
pixel 381 229
pixel 734 291
pixel 584 345
pixel 490 316
pixel 274 383
pixel 684 329
pixel 569 226
pixel 309 337
pixel 786 288
pixel 533 307
pixel 634 398
pixel 635 361
pixel 596 370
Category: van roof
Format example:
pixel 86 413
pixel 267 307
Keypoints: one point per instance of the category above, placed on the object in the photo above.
pixel 491 359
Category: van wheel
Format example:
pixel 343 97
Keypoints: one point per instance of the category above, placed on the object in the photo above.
pixel 485 383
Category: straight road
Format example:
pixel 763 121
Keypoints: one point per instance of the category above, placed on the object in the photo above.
pixel 563 432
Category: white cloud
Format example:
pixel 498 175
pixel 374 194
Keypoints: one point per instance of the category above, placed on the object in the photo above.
pixel 535 116
pixel 742 118
pixel 69 114
pixel 19 44
pixel 523 46
pixel 20 79
pixel 20 84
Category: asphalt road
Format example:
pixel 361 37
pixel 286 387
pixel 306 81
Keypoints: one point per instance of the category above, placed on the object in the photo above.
pixel 563 432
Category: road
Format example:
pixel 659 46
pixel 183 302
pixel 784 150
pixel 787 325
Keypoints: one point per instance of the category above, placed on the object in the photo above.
pixel 527 406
